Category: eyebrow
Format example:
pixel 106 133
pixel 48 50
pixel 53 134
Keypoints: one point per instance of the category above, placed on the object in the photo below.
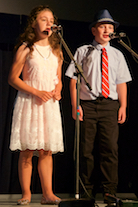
pixel 46 18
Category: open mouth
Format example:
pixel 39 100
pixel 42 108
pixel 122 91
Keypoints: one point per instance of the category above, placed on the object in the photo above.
pixel 47 31
pixel 105 36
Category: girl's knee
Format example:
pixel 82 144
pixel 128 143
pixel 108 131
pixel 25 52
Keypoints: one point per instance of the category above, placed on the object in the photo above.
pixel 27 154
pixel 45 153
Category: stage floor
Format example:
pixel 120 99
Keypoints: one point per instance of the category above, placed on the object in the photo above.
pixel 10 200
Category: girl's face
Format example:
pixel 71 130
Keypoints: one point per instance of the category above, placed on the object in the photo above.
pixel 42 26
pixel 101 32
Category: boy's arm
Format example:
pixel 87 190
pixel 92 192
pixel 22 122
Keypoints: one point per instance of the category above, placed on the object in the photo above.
pixel 122 96
pixel 73 94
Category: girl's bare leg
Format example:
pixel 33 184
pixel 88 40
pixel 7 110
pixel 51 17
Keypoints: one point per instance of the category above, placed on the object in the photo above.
pixel 45 169
pixel 25 172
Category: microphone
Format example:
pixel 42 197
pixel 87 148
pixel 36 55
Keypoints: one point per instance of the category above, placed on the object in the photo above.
pixel 56 28
pixel 117 35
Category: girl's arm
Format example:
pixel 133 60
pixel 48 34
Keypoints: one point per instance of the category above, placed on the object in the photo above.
pixel 15 72
pixel 58 87
pixel 16 69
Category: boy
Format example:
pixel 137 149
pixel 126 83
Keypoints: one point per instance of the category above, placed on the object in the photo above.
pixel 105 106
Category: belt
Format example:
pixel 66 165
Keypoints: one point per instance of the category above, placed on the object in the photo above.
pixel 100 98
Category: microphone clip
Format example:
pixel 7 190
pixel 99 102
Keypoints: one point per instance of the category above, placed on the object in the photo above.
pixel 117 35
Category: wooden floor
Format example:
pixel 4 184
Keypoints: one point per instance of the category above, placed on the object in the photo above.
pixel 10 200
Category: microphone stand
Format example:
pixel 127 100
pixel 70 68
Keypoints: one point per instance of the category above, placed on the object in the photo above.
pixel 128 48
pixel 77 202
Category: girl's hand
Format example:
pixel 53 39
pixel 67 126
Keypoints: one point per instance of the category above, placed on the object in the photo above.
pixel 44 95
pixel 57 93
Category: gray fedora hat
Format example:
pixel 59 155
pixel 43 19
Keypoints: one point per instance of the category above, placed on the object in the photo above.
pixel 103 16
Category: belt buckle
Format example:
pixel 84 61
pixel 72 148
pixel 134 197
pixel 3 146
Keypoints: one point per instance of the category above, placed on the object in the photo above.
pixel 100 98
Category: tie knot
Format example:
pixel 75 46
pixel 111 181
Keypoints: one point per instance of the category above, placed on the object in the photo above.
pixel 103 49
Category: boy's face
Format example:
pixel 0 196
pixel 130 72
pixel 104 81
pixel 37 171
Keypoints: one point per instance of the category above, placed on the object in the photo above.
pixel 101 32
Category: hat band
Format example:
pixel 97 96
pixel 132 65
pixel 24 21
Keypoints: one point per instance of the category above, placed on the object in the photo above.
pixel 105 19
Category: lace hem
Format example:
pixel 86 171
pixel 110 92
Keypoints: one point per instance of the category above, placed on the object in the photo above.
pixel 54 149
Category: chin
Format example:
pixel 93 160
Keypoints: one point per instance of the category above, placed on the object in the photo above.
pixel 50 33
pixel 106 41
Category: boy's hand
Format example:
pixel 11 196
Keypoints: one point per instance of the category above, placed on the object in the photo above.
pixel 121 115
pixel 80 113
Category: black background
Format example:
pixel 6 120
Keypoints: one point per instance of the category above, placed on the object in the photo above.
pixel 75 34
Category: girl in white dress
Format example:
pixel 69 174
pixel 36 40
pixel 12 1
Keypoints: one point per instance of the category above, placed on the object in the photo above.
pixel 36 124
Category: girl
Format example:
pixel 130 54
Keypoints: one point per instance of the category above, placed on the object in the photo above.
pixel 36 125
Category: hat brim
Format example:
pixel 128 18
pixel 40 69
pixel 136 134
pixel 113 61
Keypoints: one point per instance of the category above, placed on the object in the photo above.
pixel 116 24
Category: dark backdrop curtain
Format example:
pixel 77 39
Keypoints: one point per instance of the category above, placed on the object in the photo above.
pixel 75 34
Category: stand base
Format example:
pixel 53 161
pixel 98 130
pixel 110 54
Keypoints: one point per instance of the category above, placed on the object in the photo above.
pixel 76 203
pixel 113 205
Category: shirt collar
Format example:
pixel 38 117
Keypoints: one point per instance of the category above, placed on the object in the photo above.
pixel 99 46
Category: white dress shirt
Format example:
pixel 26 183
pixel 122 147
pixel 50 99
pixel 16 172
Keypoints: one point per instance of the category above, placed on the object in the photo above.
pixel 89 58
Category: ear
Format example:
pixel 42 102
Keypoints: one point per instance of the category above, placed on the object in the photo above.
pixel 33 24
pixel 93 30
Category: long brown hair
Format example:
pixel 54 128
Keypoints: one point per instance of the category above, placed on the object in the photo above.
pixel 29 35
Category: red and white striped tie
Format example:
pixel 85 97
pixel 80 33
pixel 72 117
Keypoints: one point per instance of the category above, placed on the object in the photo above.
pixel 105 78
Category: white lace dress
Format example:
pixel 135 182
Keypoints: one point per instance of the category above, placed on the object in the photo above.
pixel 37 125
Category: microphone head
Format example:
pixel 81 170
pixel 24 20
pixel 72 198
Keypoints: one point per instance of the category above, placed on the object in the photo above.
pixel 55 28
pixel 111 35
